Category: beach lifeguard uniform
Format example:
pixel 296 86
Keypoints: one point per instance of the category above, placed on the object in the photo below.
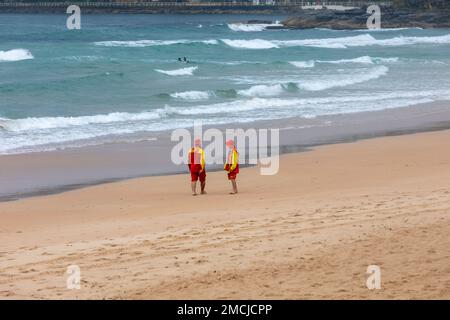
pixel 232 165
pixel 196 164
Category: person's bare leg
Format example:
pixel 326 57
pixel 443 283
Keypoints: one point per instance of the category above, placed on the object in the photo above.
pixel 233 183
pixel 203 185
pixel 194 187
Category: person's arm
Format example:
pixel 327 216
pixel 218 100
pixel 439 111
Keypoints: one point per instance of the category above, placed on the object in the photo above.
pixel 203 159
pixel 234 160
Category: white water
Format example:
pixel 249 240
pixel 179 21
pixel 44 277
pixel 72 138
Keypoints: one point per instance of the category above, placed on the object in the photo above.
pixel 250 44
pixel 191 95
pixel 336 43
pixel 262 91
pixel 15 55
pixel 178 72
pixel 303 64
pixel 343 81
pixel 150 43
pixel 27 124
pixel 251 27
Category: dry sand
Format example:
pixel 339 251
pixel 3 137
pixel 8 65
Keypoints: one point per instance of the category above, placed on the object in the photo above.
pixel 309 232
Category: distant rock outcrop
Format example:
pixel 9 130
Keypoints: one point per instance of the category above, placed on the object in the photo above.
pixel 356 19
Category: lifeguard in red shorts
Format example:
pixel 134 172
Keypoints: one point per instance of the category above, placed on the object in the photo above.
pixel 196 164
pixel 232 165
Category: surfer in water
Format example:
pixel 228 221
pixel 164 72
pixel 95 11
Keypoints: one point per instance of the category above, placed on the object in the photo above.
pixel 184 60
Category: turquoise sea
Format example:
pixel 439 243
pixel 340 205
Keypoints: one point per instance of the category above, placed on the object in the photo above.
pixel 119 78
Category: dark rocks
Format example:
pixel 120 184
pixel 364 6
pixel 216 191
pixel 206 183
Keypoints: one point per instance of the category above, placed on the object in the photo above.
pixel 356 19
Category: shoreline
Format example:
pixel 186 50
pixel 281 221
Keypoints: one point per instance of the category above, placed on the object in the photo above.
pixel 309 232
pixel 51 172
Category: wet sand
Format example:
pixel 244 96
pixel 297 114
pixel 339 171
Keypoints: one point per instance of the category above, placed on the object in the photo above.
pixel 43 173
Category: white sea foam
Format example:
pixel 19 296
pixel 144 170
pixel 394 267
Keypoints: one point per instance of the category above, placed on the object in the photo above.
pixel 404 41
pixel 234 106
pixel 62 132
pixel 150 43
pixel 250 44
pixel 337 43
pixel 343 81
pixel 191 95
pixel 251 27
pixel 310 107
pixel 318 83
pixel 246 27
pixel 366 40
pixel 178 72
pixel 15 55
pixel 262 91
pixel 26 124
pixel 322 43
pixel 363 60
pixel 359 60
pixel 386 29
pixel 303 64
pixel 333 43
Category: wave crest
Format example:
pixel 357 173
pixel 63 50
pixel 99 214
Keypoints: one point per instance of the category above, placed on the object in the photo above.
pixel 250 44
pixel 320 85
pixel 303 64
pixel 336 43
pixel 191 95
pixel 252 27
pixel 26 124
pixel 150 43
pixel 262 91
pixel 189 71
pixel 15 55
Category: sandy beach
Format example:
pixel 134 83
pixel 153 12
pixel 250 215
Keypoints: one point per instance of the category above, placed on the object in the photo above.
pixel 309 232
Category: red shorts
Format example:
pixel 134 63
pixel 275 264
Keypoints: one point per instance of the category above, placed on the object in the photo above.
pixel 232 175
pixel 197 175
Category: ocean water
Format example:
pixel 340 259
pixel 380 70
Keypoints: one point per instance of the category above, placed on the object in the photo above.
pixel 118 77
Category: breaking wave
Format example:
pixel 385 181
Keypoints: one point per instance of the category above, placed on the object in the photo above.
pixel 26 124
pixel 150 43
pixel 262 91
pixel 348 80
pixel 250 44
pixel 332 43
pixel 178 72
pixel 15 55
pixel 359 60
pixel 191 95
pixel 336 43
pixel 303 64
pixel 251 27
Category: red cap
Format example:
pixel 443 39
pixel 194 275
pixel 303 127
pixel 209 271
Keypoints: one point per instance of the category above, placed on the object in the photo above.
pixel 230 143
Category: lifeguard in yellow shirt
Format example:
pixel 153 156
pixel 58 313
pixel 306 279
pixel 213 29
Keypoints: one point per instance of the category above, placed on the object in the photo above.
pixel 232 165
pixel 196 164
